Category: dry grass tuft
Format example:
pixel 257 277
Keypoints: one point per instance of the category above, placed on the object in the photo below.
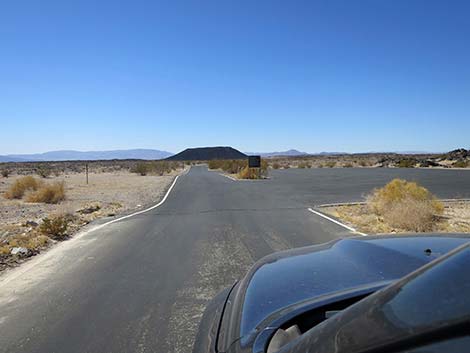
pixel 406 205
pixel 48 193
pixel 21 186
pixel 31 241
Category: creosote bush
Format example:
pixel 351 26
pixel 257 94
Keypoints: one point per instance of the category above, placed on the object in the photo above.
pixel 21 186
pixel 55 227
pixel 406 163
pixel 461 164
pixel 141 168
pixel 48 193
pixel 406 205
pixel 44 171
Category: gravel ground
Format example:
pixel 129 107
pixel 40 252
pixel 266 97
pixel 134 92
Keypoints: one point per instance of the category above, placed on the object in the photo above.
pixel 456 218
pixel 113 192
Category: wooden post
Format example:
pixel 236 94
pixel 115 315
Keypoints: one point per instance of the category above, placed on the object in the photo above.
pixel 86 168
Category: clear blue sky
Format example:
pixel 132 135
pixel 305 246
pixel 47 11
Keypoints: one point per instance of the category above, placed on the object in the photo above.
pixel 257 75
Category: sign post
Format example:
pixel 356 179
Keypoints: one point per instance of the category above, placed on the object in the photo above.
pixel 254 163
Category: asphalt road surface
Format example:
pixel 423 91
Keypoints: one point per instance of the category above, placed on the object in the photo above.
pixel 141 284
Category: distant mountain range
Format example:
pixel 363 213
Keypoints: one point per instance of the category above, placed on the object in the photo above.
pixel 207 153
pixel 289 153
pixel 203 153
pixel 90 155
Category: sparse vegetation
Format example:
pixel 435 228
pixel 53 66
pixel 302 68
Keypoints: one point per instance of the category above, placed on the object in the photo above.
pixel 18 189
pixel 55 227
pixel 48 193
pixel 141 168
pixel 231 166
pixel 44 171
pixel 406 163
pixel 154 167
pixel 330 164
pixel 406 205
pixel 239 167
pixel 402 206
pixel 276 165
pixel 303 165
pixel 461 164
pixel 31 241
pixel 5 173
pixel 36 190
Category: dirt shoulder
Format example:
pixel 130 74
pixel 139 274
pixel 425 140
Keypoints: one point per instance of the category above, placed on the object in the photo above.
pixel 107 194
pixel 456 218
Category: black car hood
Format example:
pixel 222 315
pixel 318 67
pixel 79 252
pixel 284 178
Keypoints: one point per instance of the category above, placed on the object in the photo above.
pixel 290 277
pixel 429 307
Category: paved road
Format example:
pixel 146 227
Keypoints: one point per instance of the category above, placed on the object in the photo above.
pixel 140 285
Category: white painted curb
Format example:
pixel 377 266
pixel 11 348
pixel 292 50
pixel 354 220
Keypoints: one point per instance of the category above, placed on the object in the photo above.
pixel 351 229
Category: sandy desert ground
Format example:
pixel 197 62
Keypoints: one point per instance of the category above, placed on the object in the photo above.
pixel 456 218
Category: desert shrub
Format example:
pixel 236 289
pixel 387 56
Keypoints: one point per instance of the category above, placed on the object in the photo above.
pixel 5 173
pixel 48 193
pixel 348 165
pixel 214 164
pixel 286 166
pixel 363 163
pixel 231 166
pixel 406 163
pixel 264 165
pixel 154 167
pixel 55 227
pixel 44 171
pixel 31 241
pixel 330 164
pixel 141 168
pixel 302 165
pixel 460 164
pixel 4 249
pixel 276 165
pixel 248 173
pixel 236 166
pixel 21 185
pixel 159 168
pixel 406 205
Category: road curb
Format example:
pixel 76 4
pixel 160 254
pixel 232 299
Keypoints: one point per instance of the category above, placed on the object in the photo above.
pixel 337 204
